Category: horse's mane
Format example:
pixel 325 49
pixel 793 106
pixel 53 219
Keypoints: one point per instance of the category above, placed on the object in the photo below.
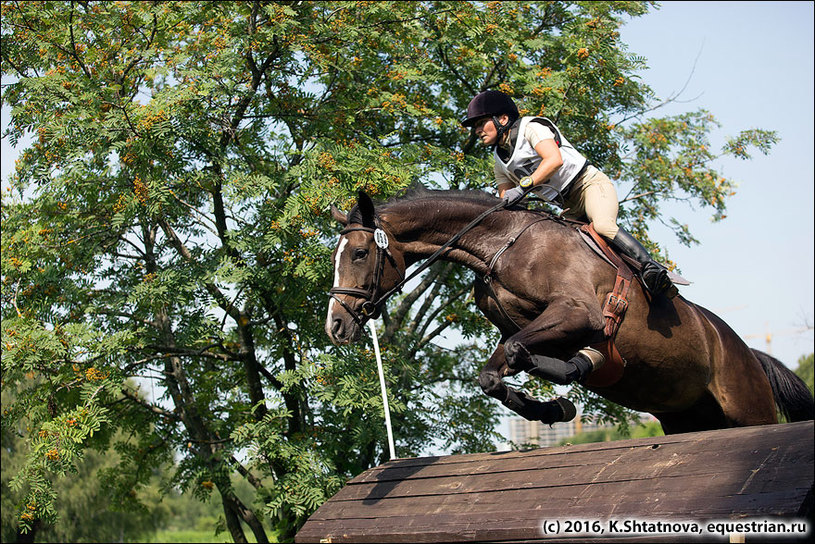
pixel 418 193
pixel 421 194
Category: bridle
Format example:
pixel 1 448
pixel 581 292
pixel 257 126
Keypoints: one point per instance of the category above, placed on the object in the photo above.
pixel 371 307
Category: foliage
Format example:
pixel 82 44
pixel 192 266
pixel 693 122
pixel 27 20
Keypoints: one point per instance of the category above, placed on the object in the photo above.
pixel 171 537
pixel 88 515
pixel 805 370
pixel 642 430
pixel 169 225
pixel 83 504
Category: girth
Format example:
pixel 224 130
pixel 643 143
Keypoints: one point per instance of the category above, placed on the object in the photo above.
pixel 614 307
pixel 613 311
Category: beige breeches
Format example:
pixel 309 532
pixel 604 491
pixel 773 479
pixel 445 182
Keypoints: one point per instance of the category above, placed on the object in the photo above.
pixel 594 198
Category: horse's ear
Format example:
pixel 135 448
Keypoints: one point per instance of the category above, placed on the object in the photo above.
pixel 366 208
pixel 339 216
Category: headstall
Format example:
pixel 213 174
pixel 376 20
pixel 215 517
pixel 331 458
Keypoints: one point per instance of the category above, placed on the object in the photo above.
pixel 370 307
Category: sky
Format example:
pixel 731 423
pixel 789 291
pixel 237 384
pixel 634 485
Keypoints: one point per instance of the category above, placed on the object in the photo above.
pixel 751 65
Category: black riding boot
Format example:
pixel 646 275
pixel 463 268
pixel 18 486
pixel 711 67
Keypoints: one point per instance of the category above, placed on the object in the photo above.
pixel 654 275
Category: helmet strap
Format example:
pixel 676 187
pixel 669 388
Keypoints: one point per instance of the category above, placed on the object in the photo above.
pixel 501 129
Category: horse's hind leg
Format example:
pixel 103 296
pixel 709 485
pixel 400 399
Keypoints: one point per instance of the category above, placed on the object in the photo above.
pixel 529 408
pixel 705 415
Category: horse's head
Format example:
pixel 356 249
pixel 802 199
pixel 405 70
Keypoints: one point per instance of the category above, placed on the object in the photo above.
pixel 366 267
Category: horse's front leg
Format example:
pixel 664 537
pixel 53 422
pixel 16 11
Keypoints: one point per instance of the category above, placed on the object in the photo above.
pixel 555 345
pixel 532 409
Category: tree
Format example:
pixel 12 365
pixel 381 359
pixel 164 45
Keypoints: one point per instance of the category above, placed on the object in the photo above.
pixel 805 370
pixel 83 501
pixel 169 225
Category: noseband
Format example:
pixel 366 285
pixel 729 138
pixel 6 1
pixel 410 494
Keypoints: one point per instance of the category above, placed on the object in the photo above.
pixel 370 308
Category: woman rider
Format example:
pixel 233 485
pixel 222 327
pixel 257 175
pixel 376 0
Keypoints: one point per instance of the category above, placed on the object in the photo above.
pixel 532 152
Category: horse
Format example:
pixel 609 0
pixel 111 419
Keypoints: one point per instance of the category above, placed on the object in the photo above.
pixel 543 287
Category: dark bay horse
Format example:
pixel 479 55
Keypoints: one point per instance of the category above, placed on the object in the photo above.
pixel 683 363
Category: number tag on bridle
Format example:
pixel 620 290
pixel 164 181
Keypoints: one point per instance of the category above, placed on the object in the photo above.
pixel 381 239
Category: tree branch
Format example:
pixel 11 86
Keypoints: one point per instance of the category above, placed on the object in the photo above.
pixel 150 407
pixel 211 288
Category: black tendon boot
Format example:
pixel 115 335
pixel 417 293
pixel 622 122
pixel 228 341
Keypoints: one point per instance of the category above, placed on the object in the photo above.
pixel 549 412
pixel 551 369
pixel 577 369
pixel 654 275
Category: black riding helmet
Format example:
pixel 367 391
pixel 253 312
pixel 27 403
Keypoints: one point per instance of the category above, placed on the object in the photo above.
pixel 492 104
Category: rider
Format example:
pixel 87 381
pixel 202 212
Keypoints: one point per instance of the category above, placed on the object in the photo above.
pixel 532 152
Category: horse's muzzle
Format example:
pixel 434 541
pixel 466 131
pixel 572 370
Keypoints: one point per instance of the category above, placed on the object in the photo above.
pixel 341 328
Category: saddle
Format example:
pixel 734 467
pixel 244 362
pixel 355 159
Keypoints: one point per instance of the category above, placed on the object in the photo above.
pixel 595 246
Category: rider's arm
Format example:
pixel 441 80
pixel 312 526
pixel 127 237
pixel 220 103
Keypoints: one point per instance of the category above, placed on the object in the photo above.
pixel 502 182
pixel 543 141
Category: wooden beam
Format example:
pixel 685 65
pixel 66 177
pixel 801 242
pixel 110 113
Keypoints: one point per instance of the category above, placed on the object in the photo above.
pixel 747 473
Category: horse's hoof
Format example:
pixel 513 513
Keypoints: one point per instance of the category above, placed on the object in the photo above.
pixel 569 410
pixel 558 411
pixel 518 357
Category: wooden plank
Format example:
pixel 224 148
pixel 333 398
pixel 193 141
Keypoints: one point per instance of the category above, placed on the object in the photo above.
pixel 491 527
pixel 759 436
pixel 565 456
pixel 757 471
pixel 669 465
pixel 628 498
pixel 731 480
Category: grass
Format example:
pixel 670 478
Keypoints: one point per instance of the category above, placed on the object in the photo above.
pixel 193 536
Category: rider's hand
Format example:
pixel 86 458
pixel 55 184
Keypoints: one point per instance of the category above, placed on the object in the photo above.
pixel 512 196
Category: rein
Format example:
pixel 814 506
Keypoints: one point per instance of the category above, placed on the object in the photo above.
pixel 488 276
pixel 371 308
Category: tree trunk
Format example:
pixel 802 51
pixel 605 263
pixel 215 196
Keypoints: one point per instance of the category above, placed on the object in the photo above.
pixel 30 535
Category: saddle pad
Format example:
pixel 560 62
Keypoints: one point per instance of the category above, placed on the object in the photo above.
pixel 676 278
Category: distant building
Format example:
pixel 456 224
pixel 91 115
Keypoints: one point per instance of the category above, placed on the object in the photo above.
pixel 535 433
pixel 523 432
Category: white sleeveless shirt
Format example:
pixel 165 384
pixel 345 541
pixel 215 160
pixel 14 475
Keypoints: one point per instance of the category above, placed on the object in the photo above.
pixel 525 160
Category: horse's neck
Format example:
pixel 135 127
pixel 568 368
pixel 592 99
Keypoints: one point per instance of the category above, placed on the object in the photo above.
pixel 424 227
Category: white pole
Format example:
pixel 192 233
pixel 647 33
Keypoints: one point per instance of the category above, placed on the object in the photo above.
pixel 384 390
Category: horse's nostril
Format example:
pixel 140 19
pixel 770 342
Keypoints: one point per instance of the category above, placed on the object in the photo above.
pixel 337 328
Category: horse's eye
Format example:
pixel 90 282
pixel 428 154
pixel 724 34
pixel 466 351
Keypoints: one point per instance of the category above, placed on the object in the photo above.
pixel 360 253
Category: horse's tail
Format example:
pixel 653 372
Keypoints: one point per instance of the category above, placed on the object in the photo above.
pixel 792 396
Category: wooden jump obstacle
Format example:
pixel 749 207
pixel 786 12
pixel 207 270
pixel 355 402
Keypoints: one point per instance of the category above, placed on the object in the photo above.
pixel 763 472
